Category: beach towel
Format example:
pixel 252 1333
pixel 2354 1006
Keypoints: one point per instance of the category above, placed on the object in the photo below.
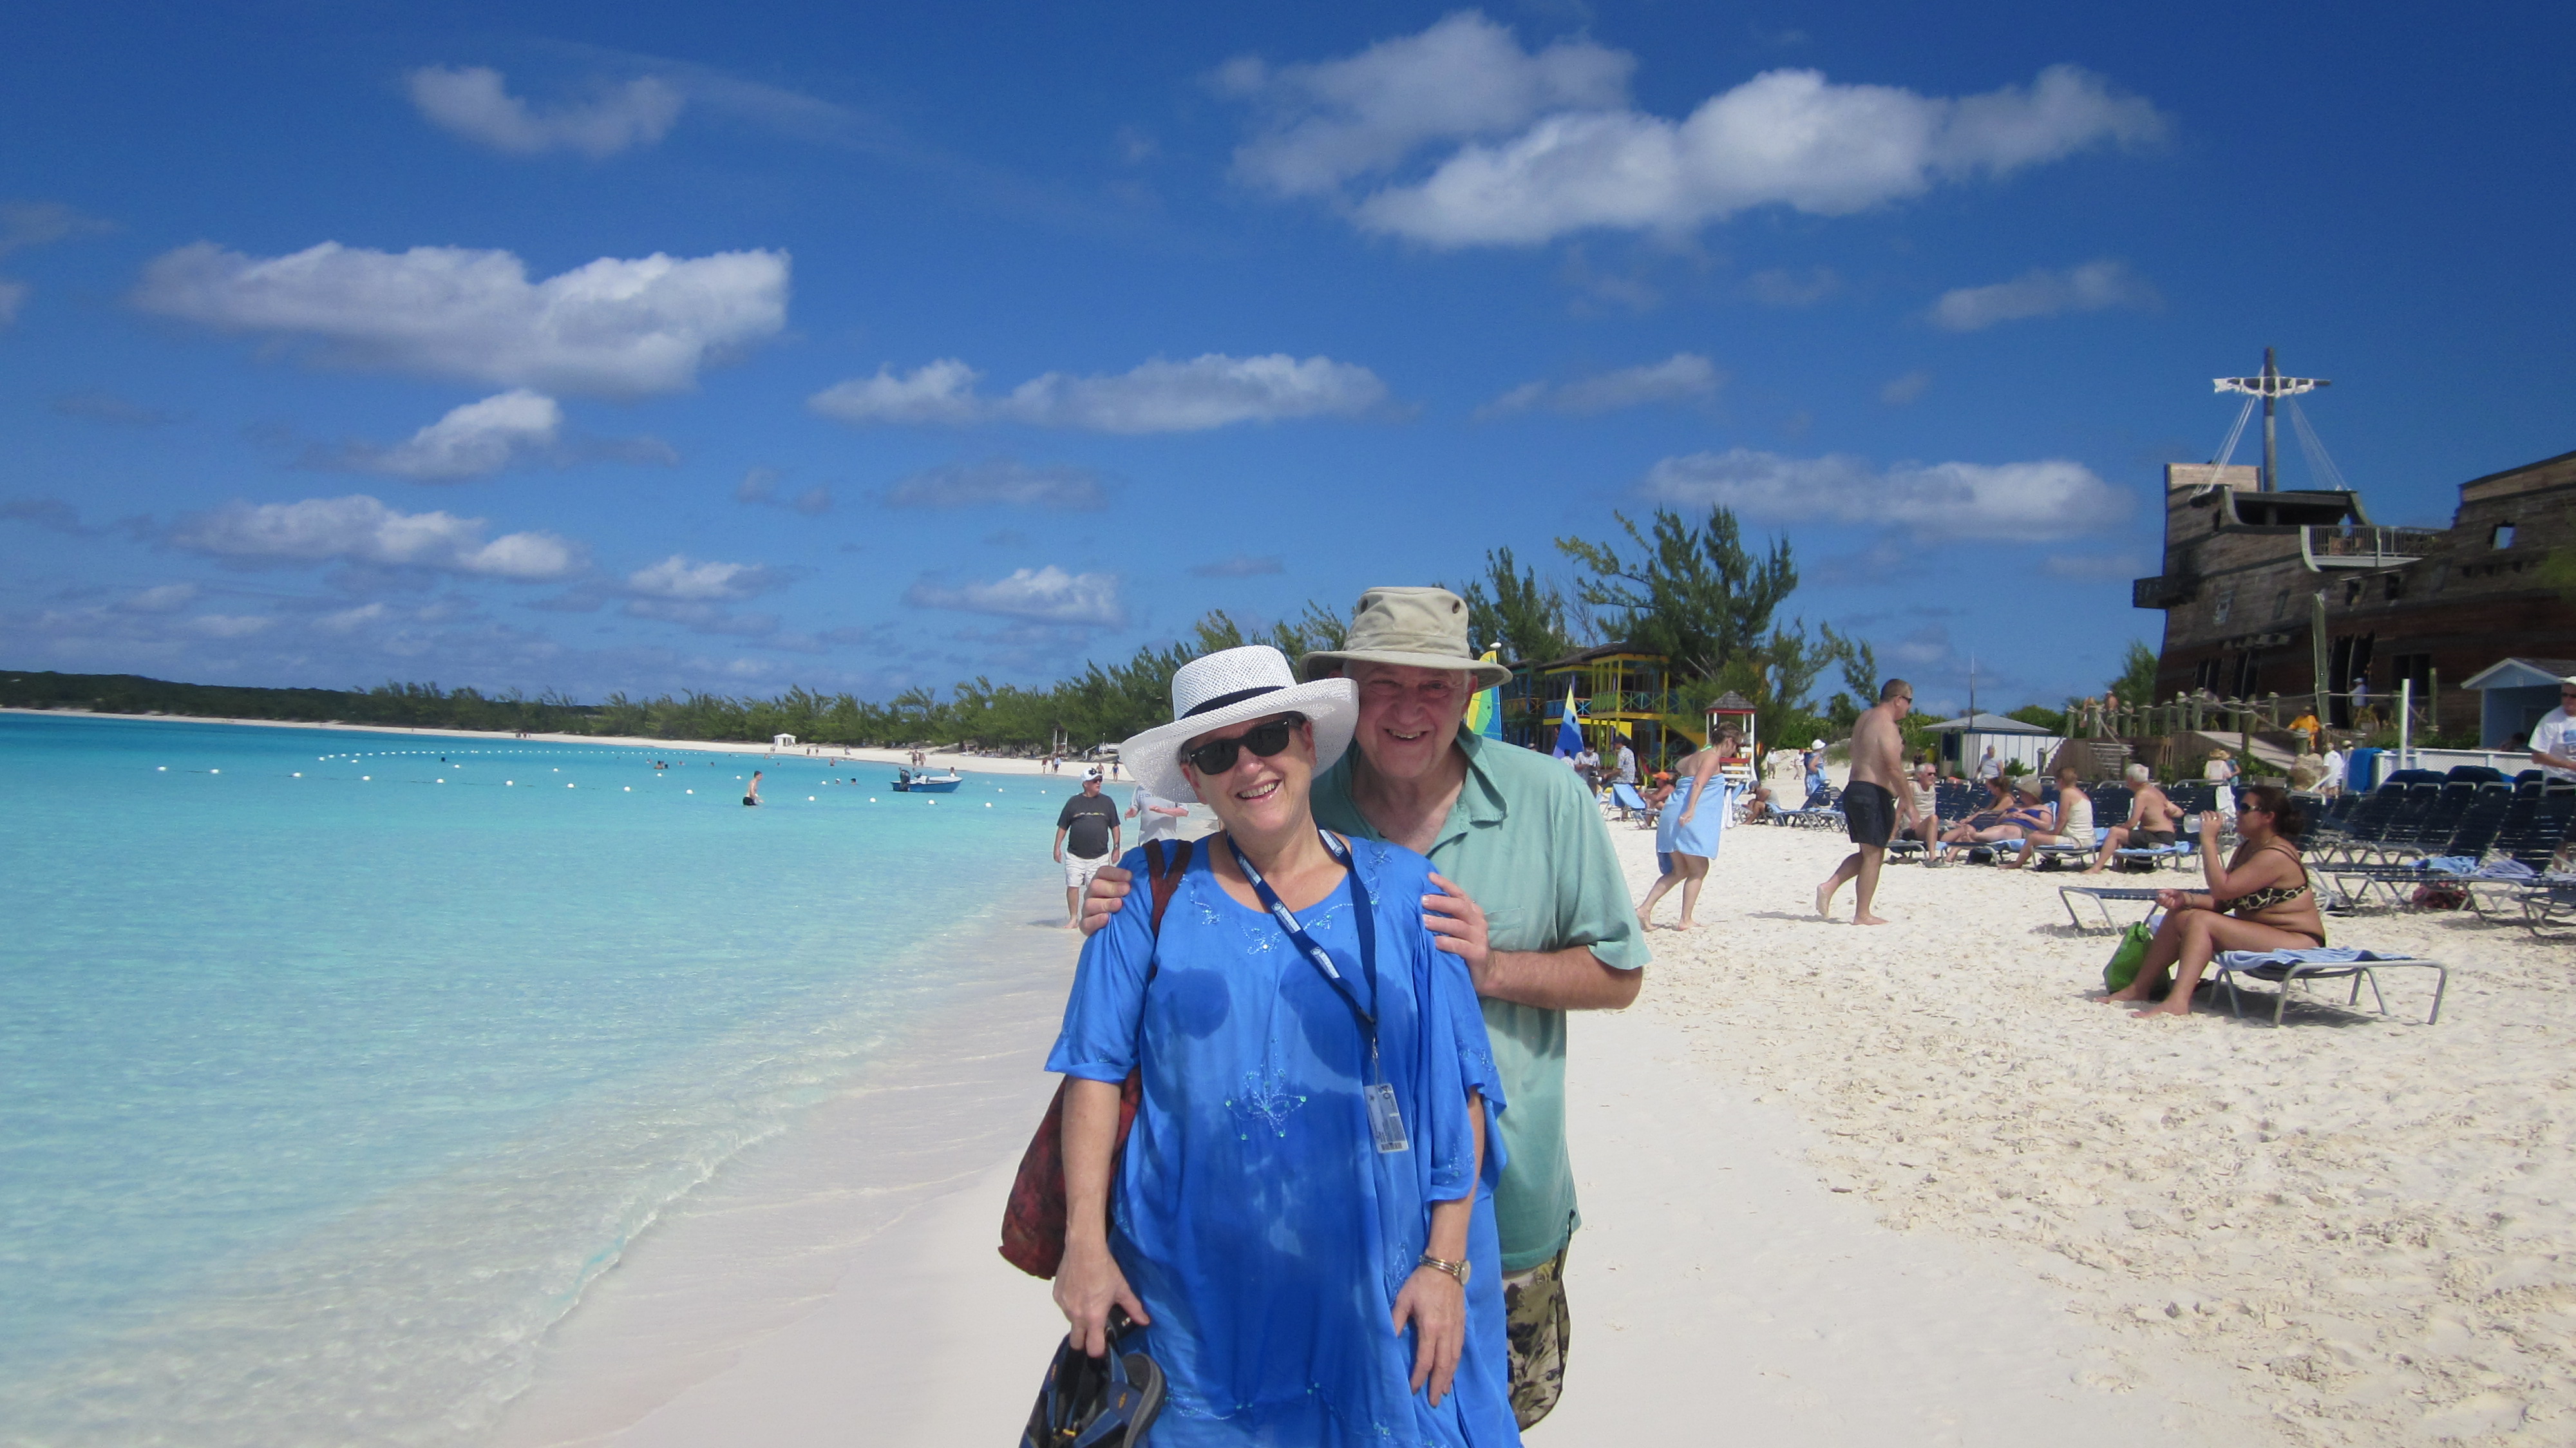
pixel 2321 955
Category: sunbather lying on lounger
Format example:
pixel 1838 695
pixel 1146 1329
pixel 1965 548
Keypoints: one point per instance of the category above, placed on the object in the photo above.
pixel 2001 820
pixel 2152 820
pixel 2070 819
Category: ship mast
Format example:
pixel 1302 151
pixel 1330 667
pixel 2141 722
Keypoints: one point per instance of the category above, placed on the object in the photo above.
pixel 2271 387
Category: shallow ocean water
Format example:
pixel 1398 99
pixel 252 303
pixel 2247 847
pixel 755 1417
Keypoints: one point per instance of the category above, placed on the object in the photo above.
pixel 322 1097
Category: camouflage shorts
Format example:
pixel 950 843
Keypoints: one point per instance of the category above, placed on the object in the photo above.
pixel 1534 1314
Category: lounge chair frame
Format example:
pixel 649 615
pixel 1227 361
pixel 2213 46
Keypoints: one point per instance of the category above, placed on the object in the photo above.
pixel 2286 973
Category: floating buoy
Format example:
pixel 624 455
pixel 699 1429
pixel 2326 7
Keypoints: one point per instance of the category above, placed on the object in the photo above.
pixel 299 774
pixel 688 791
pixel 364 778
pixel 872 799
pixel 809 799
pixel 630 789
pixel 567 786
pixel 165 769
pixel 214 771
pixel 509 781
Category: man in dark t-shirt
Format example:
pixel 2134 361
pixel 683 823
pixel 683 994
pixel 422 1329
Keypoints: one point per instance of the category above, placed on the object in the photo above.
pixel 1086 838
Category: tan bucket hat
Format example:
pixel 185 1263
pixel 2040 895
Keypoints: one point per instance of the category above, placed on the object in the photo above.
pixel 1421 628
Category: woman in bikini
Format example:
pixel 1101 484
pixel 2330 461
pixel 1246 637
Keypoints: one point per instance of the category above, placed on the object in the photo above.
pixel 2258 900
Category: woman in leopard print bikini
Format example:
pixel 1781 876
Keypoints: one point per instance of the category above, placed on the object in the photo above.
pixel 2259 900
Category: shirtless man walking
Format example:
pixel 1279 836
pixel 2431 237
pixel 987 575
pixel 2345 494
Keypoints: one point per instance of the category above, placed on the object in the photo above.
pixel 1875 801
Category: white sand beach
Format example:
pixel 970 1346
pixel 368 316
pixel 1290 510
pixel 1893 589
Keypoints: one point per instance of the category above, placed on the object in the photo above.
pixel 1841 1187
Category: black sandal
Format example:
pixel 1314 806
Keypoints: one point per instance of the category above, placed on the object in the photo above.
pixel 1096 1402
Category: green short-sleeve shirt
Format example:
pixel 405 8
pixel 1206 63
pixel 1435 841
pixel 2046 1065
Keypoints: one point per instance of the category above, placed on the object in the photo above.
pixel 1526 841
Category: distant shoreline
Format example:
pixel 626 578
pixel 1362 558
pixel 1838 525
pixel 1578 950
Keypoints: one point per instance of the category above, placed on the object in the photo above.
pixel 980 763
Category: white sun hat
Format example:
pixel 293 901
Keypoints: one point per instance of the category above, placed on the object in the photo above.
pixel 1226 688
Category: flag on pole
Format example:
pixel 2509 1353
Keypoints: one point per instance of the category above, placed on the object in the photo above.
pixel 1569 739
pixel 1485 707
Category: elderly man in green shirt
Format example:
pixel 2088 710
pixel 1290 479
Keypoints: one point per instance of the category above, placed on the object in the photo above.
pixel 1537 908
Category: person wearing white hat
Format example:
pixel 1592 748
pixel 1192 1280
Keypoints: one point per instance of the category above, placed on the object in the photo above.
pixel 1508 826
pixel 1309 1161
pixel 2553 739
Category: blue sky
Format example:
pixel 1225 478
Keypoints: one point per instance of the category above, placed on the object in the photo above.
pixel 653 347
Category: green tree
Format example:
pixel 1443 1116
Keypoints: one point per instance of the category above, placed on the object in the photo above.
pixel 2052 720
pixel 2137 681
pixel 1695 595
pixel 1511 610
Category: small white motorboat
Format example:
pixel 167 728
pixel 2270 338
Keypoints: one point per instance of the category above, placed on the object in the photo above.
pixel 943 781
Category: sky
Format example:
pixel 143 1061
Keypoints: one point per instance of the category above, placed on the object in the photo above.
pixel 652 347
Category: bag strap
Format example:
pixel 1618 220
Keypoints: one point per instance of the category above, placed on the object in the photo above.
pixel 1166 878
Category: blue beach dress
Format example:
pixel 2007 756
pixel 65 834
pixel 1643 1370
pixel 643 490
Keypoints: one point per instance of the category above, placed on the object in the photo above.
pixel 1707 829
pixel 1252 1212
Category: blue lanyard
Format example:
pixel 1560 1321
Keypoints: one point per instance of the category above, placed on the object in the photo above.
pixel 1305 943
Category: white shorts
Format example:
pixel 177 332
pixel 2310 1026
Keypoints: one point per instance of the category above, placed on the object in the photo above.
pixel 1078 871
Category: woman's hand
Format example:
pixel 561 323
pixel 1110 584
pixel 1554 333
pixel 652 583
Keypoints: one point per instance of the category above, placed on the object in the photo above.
pixel 2172 900
pixel 1088 1285
pixel 1686 814
pixel 1436 1304
pixel 2209 824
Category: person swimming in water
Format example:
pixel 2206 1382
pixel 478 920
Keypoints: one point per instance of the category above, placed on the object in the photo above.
pixel 751 791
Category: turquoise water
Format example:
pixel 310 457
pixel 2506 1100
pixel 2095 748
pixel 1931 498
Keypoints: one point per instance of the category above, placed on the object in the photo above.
pixel 330 1072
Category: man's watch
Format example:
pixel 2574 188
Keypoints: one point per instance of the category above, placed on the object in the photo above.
pixel 1458 1269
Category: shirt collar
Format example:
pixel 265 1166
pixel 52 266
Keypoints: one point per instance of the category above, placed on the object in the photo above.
pixel 1480 801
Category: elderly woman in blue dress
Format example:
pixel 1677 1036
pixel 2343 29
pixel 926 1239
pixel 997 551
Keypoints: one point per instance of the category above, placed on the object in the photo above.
pixel 1301 1220
pixel 1692 825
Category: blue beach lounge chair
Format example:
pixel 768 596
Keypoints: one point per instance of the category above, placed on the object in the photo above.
pixel 2285 968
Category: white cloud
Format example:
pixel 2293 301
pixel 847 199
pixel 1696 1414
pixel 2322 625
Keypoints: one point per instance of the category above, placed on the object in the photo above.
pixel 471 102
pixel 1241 565
pixel 612 326
pixel 228 625
pixel 943 391
pixel 2093 287
pixel 35 223
pixel 1211 391
pixel 678 579
pixel 348 620
pixel 168 598
pixel 359 529
pixel 702 617
pixel 13 295
pixel 473 441
pixel 760 486
pixel 1902 390
pixel 1330 123
pixel 1780 287
pixel 109 408
pixel 1003 482
pixel 1682 377
pixel 2023 501
pixel 1551 148
pixel 1047 595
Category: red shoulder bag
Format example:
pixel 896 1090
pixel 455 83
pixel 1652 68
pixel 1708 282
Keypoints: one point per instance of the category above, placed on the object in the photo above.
pixel 1033 1222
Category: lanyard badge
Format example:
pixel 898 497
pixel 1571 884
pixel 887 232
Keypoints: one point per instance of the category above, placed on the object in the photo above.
pixel 1386 1121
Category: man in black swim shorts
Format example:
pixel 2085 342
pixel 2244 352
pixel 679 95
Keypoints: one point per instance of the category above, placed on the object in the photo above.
pixel 1871 805
pixel 1869 813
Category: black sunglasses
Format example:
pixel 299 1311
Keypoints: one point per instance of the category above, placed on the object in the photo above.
pixel 1264 740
